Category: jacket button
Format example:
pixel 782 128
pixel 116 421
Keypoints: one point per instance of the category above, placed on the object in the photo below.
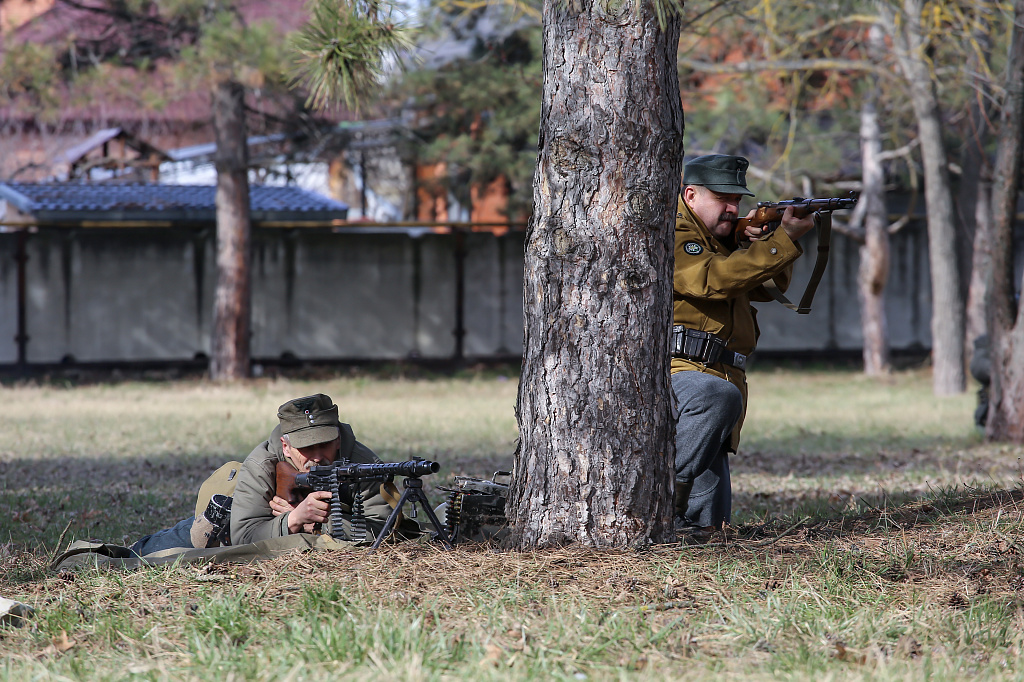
pixel 773 251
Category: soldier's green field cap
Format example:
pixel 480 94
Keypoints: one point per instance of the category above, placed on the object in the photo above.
pixel 719 173
pixel 309 421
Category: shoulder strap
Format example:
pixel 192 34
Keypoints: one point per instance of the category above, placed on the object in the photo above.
pixel 824 224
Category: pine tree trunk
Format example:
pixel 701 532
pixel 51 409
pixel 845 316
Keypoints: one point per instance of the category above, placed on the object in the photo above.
pixel 594 463
pixel 1006 317
pixel 874 254
pixel 947 295
pixel 231 306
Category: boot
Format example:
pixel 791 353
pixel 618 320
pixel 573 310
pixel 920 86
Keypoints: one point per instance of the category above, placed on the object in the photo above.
pixel 682 498
pixel 203 533
pixel 211 529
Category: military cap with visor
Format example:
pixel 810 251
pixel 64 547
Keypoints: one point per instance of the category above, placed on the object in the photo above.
pixel 720 173
pixel 309 421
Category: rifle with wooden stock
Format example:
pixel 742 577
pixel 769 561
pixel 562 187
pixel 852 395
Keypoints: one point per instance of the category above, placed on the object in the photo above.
pixel 769 213
pixel 768 217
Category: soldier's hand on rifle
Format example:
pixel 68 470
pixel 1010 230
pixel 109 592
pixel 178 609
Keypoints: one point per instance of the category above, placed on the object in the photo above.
pixel 312 510
pixel 280 506
pixel 796 227
pixel 754 232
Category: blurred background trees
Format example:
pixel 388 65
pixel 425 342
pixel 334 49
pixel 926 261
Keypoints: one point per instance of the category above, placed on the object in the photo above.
pixel 876 96
pixel 478 115
pixel 242 56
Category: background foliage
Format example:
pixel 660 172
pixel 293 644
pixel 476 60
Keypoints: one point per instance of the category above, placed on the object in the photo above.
pixel 479 115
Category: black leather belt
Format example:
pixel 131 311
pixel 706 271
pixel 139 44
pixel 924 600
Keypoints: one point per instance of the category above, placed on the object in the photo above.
pixel 693 344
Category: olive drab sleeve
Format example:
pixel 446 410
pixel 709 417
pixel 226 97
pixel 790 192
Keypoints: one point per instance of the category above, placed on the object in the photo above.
pixel 252 519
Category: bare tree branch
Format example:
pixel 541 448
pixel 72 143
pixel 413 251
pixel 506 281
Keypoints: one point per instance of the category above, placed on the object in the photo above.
pixel 823 64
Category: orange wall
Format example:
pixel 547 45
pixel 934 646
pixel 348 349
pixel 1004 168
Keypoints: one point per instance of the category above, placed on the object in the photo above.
pixel 14 13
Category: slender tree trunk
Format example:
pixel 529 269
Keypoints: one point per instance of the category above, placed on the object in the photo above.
pixel 594 463
pixel 975 200
pixel 1006 320
pixel 947 294
pixel 231 306
pixel 981 264
pixel 874 254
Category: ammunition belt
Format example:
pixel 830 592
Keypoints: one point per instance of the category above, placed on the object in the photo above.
pixel 693 344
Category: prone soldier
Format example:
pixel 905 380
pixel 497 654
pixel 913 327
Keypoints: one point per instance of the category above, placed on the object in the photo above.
pixel 308 434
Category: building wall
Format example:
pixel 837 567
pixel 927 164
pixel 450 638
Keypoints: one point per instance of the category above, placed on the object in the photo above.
pixel 146 294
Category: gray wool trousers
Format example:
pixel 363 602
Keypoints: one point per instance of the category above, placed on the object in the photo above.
pixel 708 409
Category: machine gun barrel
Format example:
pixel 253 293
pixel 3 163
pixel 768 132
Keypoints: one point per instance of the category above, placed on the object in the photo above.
pixel 319 477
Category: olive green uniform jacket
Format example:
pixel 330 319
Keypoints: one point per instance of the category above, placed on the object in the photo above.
pixel 714 285
pixel 252 520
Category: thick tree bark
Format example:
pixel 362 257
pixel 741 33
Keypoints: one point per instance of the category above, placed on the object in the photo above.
pixel 874 254
pixel 231 306
pixel 1006 319
pixel 594 463
pixel 947 294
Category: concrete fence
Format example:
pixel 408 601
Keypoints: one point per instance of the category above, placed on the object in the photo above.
pixel 115 295
pixel 145 294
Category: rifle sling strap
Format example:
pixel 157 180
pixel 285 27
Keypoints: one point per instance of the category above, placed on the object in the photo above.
pixel 824 224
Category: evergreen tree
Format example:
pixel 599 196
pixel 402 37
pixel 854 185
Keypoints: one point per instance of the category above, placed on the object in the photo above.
pixel 479 114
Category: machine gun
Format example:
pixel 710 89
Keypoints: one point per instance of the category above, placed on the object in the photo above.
pixel 476 507
pixel 345 475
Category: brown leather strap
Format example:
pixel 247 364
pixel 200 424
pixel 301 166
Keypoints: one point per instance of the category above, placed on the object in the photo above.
pixel 824 224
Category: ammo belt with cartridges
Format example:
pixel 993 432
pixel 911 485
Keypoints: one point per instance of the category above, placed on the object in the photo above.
pixel 693 344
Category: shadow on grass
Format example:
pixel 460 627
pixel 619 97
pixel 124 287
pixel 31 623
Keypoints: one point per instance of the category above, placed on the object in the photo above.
pixel 904 512
pixel 118 500
pixel 101 498
pixel 817 455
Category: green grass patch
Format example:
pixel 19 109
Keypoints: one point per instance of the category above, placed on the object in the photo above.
pixel 875 536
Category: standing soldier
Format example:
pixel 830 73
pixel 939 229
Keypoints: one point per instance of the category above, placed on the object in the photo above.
pixel 714 327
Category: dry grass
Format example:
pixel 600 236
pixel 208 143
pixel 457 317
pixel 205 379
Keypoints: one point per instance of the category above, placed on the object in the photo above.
pixel 876 538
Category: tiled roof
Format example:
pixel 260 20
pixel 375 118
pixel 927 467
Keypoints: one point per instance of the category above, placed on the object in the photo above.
pixel 55 202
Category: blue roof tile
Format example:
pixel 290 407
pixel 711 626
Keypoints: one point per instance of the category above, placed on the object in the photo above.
pixel 180 203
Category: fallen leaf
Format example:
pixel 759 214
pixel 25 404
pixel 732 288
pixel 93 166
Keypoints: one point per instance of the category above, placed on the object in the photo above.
pixel 908 647
pixel 58 646
pixel 848 655
pixel 492 655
